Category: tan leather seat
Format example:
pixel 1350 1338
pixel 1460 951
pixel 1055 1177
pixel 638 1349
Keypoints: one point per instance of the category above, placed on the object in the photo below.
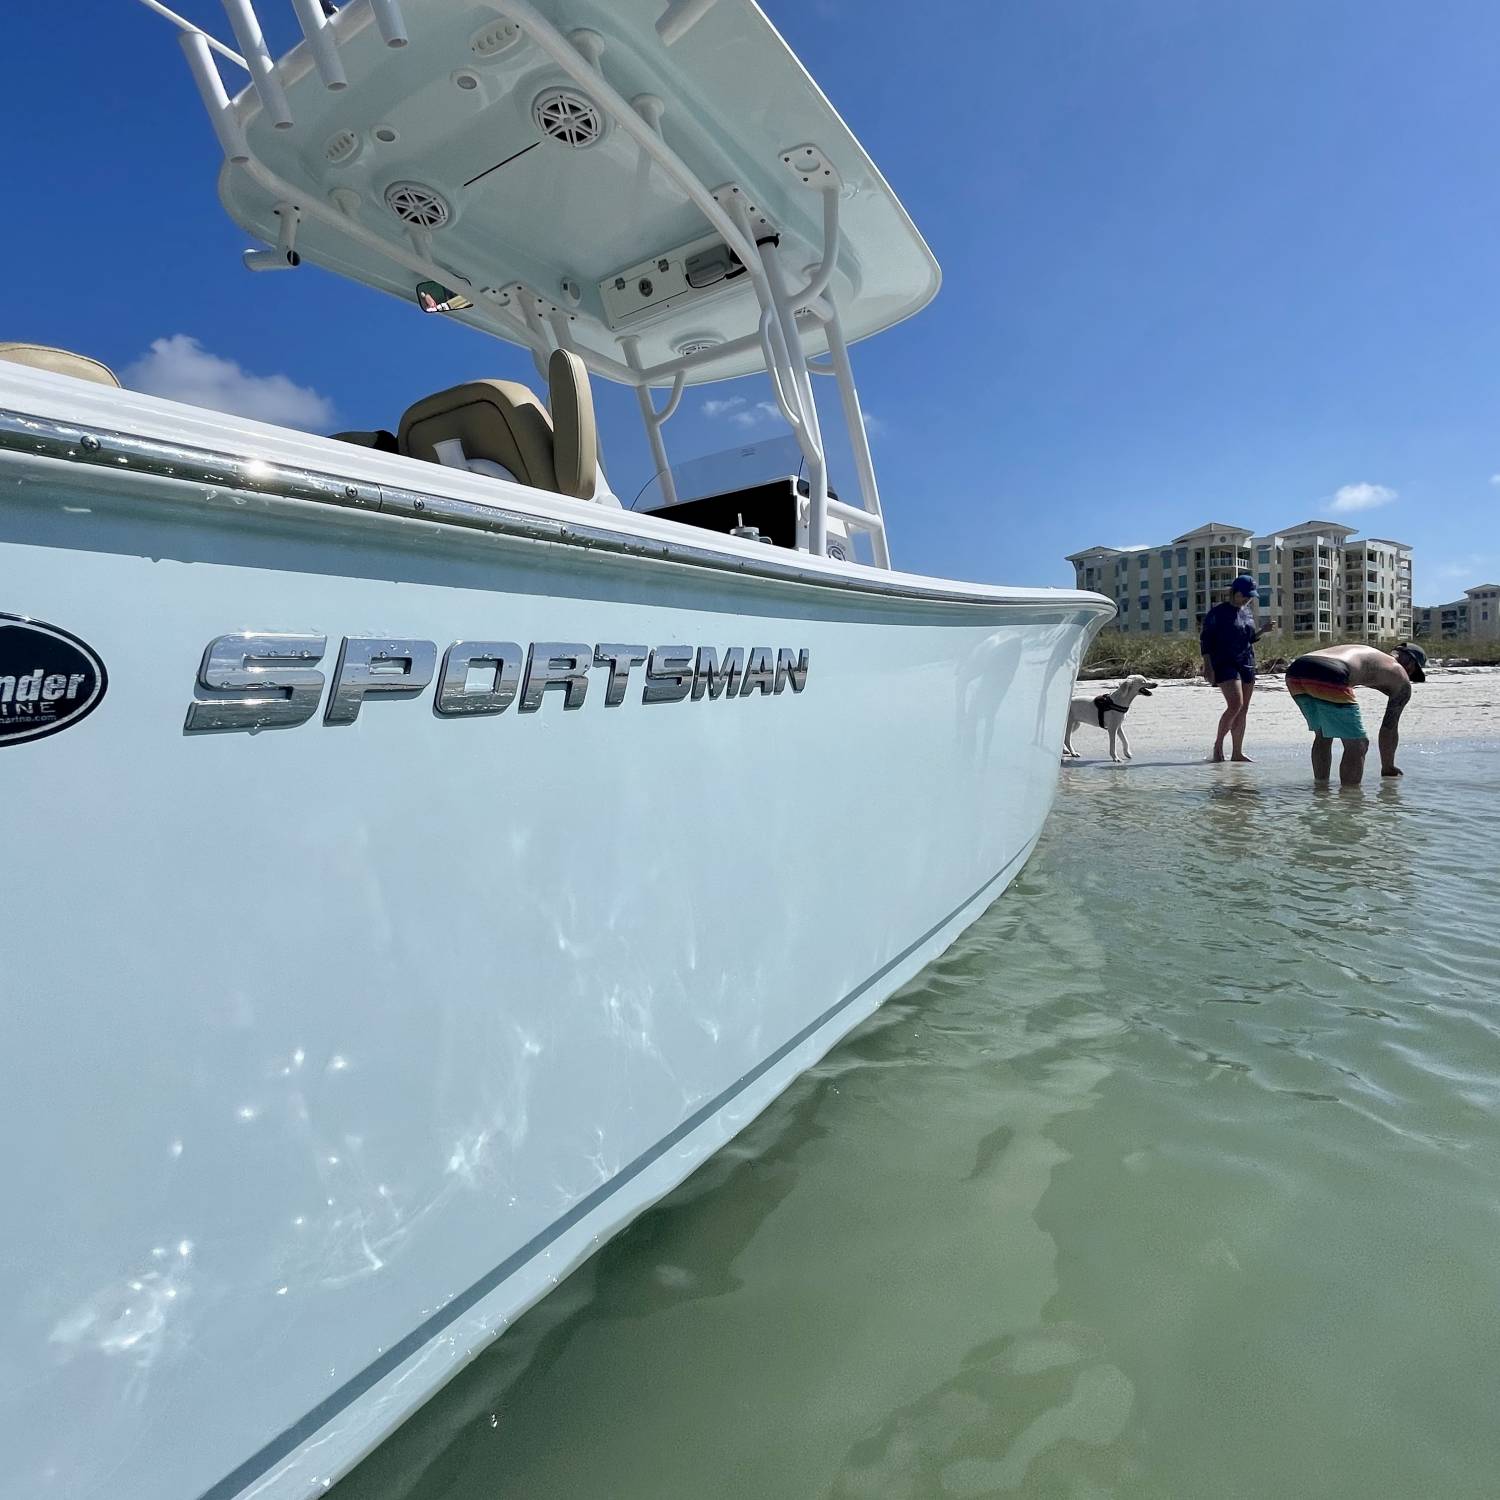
pixel 59 361
pixel 494 419
pixel 504 423
pixel 575 434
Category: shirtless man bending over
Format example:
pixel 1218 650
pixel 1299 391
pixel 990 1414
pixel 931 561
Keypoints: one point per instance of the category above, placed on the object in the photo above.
pixel 1322 685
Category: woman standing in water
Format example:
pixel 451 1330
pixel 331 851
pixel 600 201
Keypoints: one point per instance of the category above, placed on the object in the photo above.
pixel 1228 644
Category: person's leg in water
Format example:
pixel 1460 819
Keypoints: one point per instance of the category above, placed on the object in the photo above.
pixel 1352 762
pixel 1237 729
pixel 1322 756
pixel 1233 710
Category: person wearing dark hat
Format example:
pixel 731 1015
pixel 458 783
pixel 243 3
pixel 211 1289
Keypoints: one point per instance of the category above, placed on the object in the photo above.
pixel 1322 685
pixel 1227 641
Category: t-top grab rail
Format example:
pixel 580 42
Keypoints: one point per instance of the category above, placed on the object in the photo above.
pixel 536 323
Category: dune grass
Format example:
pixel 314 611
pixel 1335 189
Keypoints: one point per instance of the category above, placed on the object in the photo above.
pixel 1116 654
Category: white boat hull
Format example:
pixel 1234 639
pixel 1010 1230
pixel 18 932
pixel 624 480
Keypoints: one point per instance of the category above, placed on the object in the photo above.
pixel 330 1049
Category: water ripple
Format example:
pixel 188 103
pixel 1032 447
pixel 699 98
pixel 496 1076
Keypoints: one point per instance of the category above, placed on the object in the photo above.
pixel 1178 1175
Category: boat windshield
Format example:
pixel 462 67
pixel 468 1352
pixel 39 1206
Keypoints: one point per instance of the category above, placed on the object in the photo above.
pixel 740 468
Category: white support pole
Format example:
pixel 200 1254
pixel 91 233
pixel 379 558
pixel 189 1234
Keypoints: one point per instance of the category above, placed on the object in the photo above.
pixel 320 42
pixel 769 335
pixel 221 112
pixel 859 437
pixel 390 21
pixel 853 515
pixel 658 445
pixel 653 420
pixel 679 18
pixel 809 434
pixel 562 334
pixel 824 274
pixel 246 27
pixel 562 52
pixel 185 25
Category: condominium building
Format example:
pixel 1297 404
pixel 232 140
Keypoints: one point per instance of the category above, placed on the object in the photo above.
pixel 1315 580
pixel 1475 617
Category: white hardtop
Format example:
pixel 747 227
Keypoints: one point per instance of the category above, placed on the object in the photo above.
pixel 475 156
pixel 655 186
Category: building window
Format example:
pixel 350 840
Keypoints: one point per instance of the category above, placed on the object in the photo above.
pixel 1166 627
pixel 1182 557
pixel 1265 598
pixel 1265 577
pixel 1265 554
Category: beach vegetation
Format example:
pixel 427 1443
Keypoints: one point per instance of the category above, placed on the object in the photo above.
pixel 1115 653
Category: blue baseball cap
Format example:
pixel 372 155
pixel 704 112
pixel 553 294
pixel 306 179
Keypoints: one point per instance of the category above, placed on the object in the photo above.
pixel 1244 584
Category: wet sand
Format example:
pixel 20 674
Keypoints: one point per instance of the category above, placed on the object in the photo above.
pixel 1177 721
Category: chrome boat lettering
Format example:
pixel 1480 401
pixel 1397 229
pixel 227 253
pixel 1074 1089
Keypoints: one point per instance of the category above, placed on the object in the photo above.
pixel 255 684
pixel 559 664
pixel 251 680
pixel 669 676
pixel 715 678
pixel 375 666
pixel 791 667
pixel 458 693
pixel 619 660
pixel 760 673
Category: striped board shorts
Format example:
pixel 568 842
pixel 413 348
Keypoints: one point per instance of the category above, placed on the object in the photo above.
pixel 1319 686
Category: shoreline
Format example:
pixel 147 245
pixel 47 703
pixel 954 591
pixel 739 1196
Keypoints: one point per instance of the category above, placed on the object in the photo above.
pixel 1455 703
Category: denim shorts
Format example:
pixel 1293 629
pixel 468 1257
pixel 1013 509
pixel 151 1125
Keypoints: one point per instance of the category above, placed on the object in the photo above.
pixel 1227 671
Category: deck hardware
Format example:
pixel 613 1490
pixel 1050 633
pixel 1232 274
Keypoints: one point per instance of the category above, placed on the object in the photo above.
pixel 284 257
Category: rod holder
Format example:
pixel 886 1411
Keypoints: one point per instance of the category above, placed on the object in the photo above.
pixel 390 22
pixel 246 27
pixel 320 42
pixel 221 112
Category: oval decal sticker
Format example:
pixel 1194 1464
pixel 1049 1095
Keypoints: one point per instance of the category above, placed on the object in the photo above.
pixel 49 679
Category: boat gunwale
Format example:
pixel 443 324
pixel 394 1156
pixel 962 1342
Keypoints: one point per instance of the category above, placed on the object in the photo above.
pixel 122 452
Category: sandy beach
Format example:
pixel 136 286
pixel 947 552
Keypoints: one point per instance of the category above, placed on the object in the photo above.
pixel 1177 721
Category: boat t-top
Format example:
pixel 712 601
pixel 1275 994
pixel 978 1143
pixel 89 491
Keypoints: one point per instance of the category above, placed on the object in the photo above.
pixel 435 858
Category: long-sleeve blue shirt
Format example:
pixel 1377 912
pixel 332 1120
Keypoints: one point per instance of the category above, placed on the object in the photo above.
pixel 1228 636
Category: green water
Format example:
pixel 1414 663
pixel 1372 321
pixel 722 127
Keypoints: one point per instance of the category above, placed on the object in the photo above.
pixel 1178 1176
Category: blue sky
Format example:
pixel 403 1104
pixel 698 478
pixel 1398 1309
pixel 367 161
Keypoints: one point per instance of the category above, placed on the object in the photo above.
pixel 1204 259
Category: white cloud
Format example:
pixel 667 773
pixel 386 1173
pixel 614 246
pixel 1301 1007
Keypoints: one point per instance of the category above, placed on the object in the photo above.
pixel 1361 497
pixel 753 416
pixel 181 369
pixel 741 412
pixel 1495 478
pixel 874 426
